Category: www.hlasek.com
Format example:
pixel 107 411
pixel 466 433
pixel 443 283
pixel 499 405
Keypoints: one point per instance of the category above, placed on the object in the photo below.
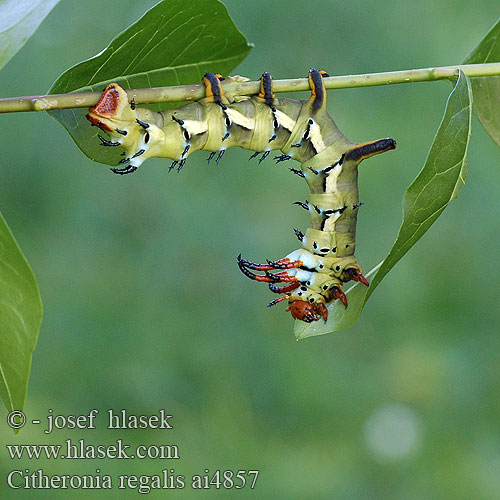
pixel 81 450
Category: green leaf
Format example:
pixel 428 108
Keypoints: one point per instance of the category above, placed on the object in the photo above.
pixel 486 89
pixel 174 43
pixel 19 19
pixel 20 320
pixel 439 182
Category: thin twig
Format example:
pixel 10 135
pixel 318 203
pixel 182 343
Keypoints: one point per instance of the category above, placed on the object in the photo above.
pixel 193 92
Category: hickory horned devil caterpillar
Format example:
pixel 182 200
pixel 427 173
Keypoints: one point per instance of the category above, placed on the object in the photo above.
pixel 313 275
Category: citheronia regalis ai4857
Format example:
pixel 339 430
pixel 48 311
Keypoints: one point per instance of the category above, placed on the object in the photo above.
pixel 312 276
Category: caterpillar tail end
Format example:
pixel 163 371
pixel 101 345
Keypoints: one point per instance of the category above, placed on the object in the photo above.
pixel 112 111
pixel 118 117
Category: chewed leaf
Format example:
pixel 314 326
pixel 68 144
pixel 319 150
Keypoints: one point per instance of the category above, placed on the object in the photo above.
pixel 486 89
pixel 18 21
pixel 20 319
pixel 175 43
pixel 439 182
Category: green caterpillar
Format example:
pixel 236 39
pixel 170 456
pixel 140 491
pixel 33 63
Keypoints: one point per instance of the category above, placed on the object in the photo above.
pixel 313 275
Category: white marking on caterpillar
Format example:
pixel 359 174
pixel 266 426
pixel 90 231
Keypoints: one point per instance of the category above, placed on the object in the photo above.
pixel 239 119
pixel 285 120
pixel 316 137
pixel 195 127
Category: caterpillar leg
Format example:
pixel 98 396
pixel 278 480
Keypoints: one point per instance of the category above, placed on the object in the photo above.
pixel 355 274
pixel 285 263
pixel 123 171
pixel 300 309
pixel 105 142
pixel 283 289
pixel 278 300
pixel 308 303
pixel 337 293
pixel 282 157
pixel 307 291
pixel 282 277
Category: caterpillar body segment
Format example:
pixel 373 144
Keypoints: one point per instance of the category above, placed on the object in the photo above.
pixel 313 275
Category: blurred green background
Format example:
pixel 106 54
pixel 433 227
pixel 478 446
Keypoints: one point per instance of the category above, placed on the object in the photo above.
pixel 145 307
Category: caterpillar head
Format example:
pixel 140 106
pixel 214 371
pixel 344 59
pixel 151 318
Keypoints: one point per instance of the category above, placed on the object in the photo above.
pixel 307 311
